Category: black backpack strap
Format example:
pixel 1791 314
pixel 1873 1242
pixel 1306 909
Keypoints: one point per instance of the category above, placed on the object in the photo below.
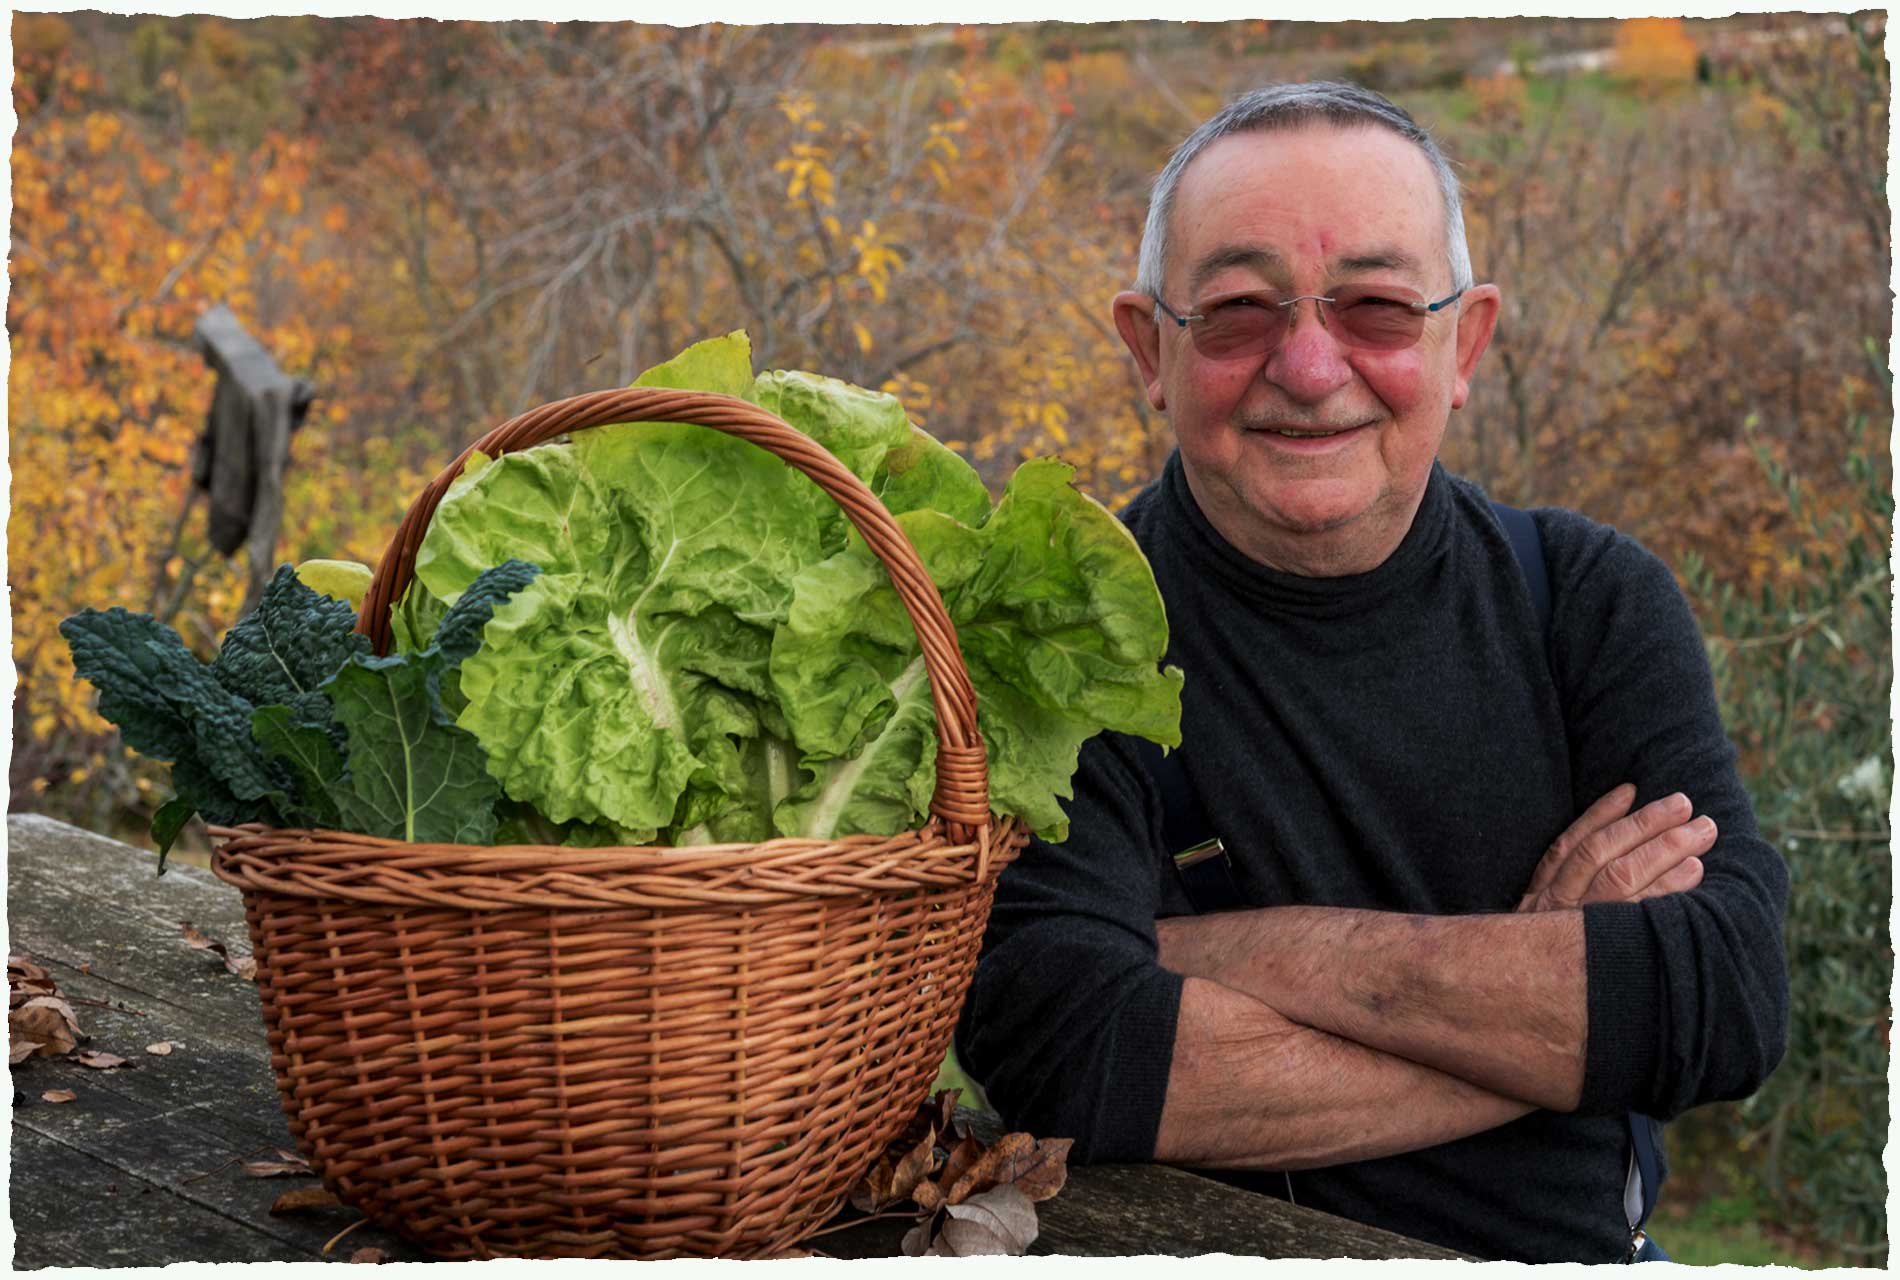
pixel 1521 529
pixel 1528 546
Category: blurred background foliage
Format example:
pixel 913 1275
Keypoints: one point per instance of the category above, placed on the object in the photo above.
pixel 444 223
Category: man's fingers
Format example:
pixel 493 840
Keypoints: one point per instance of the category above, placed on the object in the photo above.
pixel 1658 866
pixel 1611 806
pixel 1574 877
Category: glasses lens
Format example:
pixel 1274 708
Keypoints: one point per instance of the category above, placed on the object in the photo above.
pixel 1238 328
pixel 1379 318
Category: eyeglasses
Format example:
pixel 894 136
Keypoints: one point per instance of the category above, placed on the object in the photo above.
pixel 1371 317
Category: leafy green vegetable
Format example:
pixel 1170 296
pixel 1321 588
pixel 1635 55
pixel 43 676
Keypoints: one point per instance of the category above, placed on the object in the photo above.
pixel 172 707
pixel 294 722
pixel 1061 629
pixel 411 773
pixel 712 654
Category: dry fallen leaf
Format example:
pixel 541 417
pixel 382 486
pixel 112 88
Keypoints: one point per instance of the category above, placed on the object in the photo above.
pixel 917 1239
pixel 370 1253
pixel 873 1191
pixel 304 1198
pixel 58 1095
pixel 966 1153
pixel 997 1164
pixel 916 1166
pixel 287 1164
pixel 100 1061
pixel 1001 1221
pixel 1047 1172
pixel 37 1027
pixel 244 967
pixel 162 1048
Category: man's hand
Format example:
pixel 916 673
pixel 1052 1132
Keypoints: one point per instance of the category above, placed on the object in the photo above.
pixel 1612 855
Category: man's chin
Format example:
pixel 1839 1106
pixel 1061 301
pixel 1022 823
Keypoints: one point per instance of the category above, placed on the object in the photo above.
pixel 1317 507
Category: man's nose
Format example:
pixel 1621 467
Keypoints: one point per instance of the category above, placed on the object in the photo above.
pixel 1310 363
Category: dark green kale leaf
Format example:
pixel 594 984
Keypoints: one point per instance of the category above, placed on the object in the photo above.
pixel 412 773
pixel 285 648
pixel 171 707
pixel 313 756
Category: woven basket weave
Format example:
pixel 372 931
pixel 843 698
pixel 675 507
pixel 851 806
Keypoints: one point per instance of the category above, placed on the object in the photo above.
pixel 632 1052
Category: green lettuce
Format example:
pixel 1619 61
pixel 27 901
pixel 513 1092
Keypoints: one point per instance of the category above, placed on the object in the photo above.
pixel 711 653
pixel 1062 631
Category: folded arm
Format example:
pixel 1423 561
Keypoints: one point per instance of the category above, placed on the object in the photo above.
pixel 1499 1001
pixel 1075 1029
pixel 1249 1089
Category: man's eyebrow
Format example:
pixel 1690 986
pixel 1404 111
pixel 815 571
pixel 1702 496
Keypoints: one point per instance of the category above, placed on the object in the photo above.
pixel 1248 256
pixel 1383 259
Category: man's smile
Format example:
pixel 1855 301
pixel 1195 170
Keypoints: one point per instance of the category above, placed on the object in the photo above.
pixel 1306 438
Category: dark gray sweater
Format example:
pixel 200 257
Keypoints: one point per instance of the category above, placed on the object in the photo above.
pixel 1401 740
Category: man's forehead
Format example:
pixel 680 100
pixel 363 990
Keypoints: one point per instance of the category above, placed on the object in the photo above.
pixel 1393 221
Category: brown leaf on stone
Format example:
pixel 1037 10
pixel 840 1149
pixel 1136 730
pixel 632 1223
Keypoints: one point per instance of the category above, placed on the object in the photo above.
pixel 297 1168
pixel 999 1163
pixel 304 1198
pixel 59 1006
pixel 58 1095
pixel 916 1166
pixel 873 1191
pixel 40 1028
pixel 966 1153
pixel 370 1253
pixel 162 1048
pixel 1047 1171
pixel 100 1061
pixel 85 966
pixel 243 966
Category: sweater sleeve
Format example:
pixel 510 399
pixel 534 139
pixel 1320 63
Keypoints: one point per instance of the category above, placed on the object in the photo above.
pixel 1069 1023
pixel 1687 993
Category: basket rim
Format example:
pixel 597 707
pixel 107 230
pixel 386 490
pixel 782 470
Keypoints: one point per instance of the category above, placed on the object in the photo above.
pixel 334 865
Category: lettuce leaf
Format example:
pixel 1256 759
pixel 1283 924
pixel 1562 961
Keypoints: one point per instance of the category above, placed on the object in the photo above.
pixel 1062 630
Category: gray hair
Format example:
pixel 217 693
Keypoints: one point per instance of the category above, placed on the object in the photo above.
pixel 1290 106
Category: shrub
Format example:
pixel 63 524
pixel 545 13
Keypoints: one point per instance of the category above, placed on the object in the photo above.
pixel 1804 677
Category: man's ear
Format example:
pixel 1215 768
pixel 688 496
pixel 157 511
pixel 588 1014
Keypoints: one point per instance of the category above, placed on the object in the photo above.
pixel 1135 321
pixel 1477 321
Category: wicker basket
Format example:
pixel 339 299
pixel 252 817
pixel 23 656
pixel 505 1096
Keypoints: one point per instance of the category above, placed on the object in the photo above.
pixel 631 1052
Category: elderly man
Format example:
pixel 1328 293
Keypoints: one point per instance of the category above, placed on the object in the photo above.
pixel 1479 923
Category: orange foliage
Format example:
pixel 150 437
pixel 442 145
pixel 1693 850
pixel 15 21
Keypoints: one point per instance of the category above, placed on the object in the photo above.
pixel 1655 51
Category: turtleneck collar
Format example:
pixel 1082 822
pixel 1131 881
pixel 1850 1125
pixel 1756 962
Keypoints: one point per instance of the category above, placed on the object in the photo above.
pixel 1423 545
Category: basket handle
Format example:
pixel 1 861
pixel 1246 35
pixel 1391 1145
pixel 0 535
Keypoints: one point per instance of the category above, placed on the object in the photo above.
pixel 962 795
